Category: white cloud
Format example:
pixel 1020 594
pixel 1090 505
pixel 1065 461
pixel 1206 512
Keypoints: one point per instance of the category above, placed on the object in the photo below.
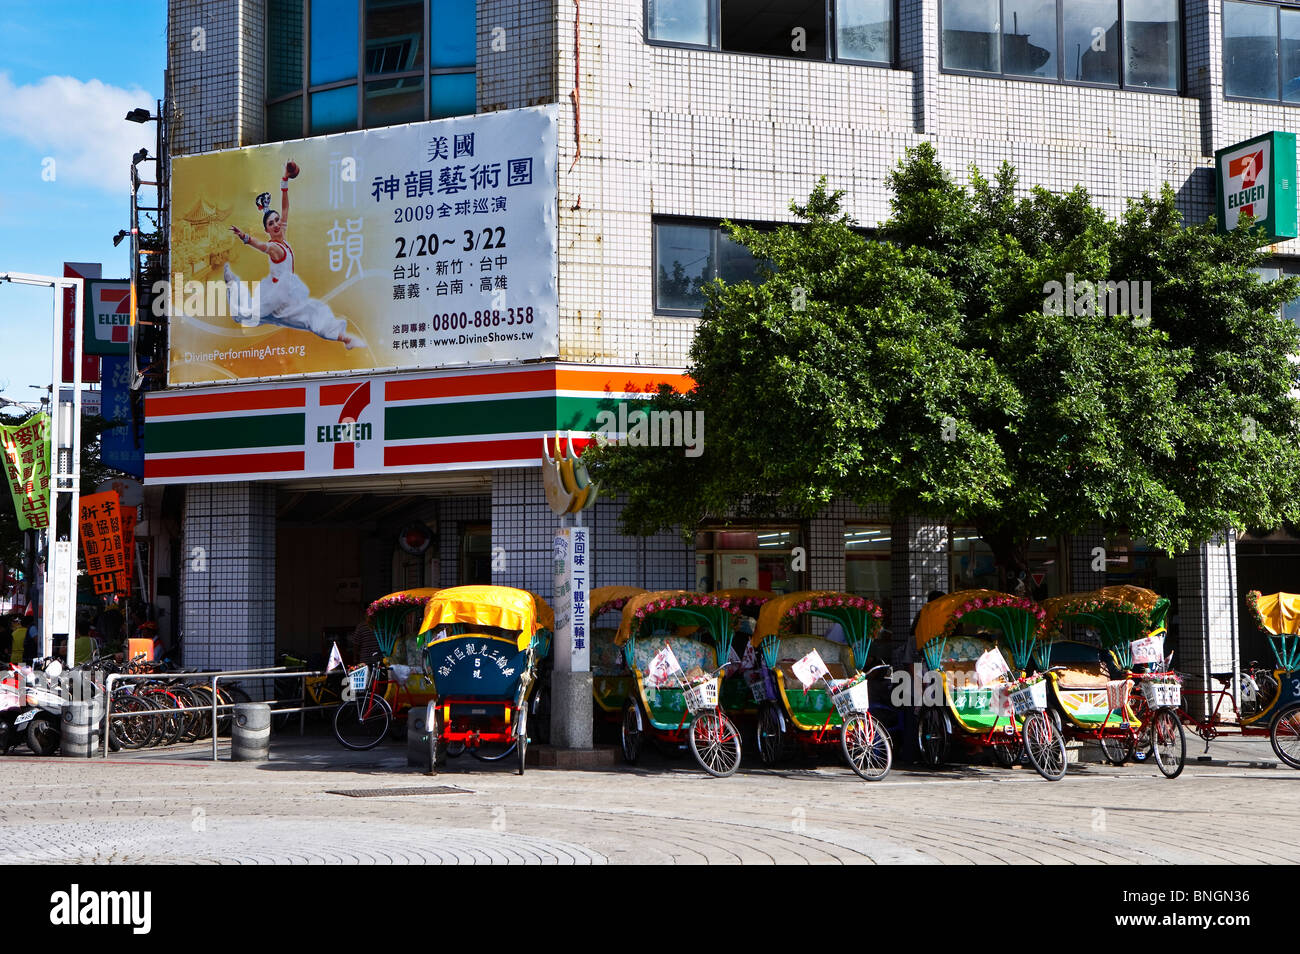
pixel 80 125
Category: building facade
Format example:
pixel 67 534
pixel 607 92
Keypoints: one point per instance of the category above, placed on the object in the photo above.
pixel 673 116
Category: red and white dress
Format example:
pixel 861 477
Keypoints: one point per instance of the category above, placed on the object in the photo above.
pixel 282 298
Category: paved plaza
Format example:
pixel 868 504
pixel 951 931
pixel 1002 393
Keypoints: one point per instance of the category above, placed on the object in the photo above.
pixel 172 806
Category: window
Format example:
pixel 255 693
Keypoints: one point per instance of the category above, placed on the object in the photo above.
pixel 475 554
pixel 867 563
pixel 1134 44
pixel 689 255
pixel 972 565
pixel 1291 310
pixel 338 65
pixel 1261 51
pixel 756 559
pixel 851 30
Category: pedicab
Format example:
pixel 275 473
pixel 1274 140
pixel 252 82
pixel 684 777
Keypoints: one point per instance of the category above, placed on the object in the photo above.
pixel 480 651
pixel 1273 708
pixel 738 699
pixel 377 690
pixel 961 703
pixel 835 709
pixel 1086 703
pixel 676 676
pixel 611 679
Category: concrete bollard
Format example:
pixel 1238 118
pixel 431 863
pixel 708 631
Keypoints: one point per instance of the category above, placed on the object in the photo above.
pixel 417 738
pixel 250 735
pixel 80 730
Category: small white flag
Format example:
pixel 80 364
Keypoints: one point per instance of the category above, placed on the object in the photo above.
pixel 662 667
pixel 336 658
pixel 732 658
pixel 990 668
pixel 810 669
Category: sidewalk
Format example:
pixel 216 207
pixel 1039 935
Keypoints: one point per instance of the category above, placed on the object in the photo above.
pixel 172 806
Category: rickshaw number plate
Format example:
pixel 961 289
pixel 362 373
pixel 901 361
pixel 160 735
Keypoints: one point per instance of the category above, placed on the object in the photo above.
pixel 1009 729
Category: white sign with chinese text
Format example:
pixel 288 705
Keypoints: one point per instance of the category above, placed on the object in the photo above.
pixel 571 554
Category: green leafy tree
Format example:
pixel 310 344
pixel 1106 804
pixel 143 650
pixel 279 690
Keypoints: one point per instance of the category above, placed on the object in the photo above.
pixel 935 369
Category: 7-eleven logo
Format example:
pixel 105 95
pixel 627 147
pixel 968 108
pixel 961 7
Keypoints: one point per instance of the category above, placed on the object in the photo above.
pixel 351 400
pixel 113 314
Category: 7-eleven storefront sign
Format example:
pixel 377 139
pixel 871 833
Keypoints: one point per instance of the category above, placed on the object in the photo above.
pixel 413 423
pixel 1256 179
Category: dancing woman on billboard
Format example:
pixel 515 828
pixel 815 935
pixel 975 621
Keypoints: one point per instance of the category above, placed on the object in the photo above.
pixel 282 298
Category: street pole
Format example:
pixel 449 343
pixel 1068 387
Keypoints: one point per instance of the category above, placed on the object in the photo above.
pixel 58 599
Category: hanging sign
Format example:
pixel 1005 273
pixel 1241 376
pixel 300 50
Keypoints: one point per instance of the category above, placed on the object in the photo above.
pixel 26 448
pixel 103 545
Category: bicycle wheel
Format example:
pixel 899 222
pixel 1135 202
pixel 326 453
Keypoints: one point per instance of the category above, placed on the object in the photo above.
pixel 1284 735
pixel 633 732
pixel 715 743
pixel 169 726
pixel 865 745
pixel 1044 746
pixel 932 737
pixel 521 736
pixel 772 733
pixel 190 703
pixel 1168 743
pixel 1116 749
pixel 134 731
pixel 436 750
pixel 1007 754
pixel 362 724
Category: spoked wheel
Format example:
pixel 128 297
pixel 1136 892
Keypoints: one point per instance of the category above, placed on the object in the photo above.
pixel 1117 749
pixel 1285 736
pixel 135 731
pixel 434 730
pixel 715 743
pixel 866 746
pixel 1168 742
pixel 1007 754
pixel 772 733
pixel 633 732
pixel 43 735
pixel 932 737
pixel 521 736
pixel 1044 746
pixel 363 723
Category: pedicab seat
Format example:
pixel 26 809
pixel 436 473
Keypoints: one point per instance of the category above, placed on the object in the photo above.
pixel 1080 675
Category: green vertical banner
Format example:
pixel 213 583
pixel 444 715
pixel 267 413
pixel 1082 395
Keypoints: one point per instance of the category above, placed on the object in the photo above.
pixel 26 449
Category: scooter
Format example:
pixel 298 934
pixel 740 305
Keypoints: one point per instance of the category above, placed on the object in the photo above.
pixel 13 699
pixel 42 720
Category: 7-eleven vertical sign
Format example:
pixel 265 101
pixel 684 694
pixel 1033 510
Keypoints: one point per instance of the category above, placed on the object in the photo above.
pixel 1256 180
pixel 107 322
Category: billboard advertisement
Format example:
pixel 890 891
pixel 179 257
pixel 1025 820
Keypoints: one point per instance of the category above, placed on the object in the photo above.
pixel 410 247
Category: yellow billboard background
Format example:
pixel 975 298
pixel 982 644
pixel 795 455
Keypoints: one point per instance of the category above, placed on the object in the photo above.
pixel 344 241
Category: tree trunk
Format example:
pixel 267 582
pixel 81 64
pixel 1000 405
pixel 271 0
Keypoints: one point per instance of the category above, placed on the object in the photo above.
pixel 1011 555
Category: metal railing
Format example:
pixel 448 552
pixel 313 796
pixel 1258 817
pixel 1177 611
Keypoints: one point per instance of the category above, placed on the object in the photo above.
pixel 275 672
pixel 279 673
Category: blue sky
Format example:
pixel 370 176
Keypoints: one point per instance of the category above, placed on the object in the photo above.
pixel 69 71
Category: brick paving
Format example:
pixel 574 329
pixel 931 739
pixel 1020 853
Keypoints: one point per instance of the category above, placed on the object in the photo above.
pixel 172 806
